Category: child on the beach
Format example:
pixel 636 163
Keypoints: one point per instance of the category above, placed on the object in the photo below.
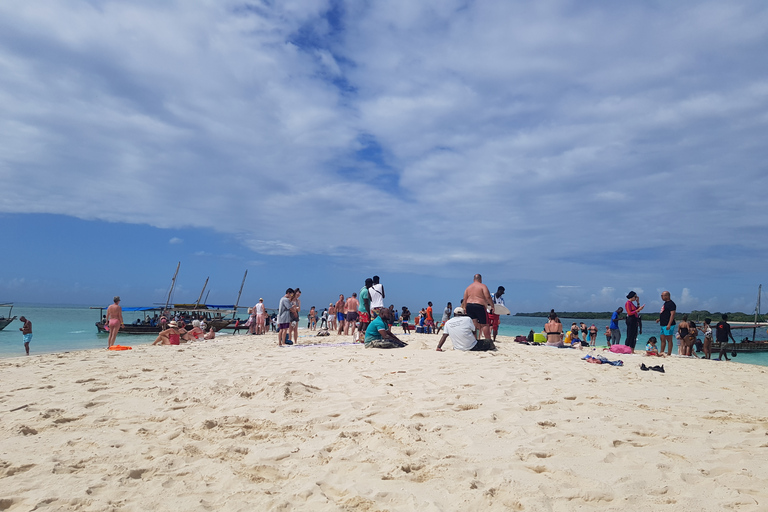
pixel 651 349
pixel 608 335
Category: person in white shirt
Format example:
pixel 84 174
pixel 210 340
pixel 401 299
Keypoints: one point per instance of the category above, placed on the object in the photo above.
pixel 376 293
pixel 461 329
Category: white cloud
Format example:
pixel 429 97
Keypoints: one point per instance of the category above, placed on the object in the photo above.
pixel 550 141
pixel 175 241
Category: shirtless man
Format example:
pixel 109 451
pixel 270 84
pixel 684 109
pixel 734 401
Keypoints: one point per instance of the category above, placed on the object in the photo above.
pixel 114 320
pixel 351 318
pixel 26 332
pixel 476 299
pixel 340 312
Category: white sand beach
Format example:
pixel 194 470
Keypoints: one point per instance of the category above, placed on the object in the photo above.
pixel 240 424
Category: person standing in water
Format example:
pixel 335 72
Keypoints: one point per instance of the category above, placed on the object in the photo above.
pixel 26 332
pixel 114 320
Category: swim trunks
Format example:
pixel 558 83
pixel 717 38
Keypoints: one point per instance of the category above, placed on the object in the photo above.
pixel 27 338
pixel 352 316
pixel 482 346
pixel 493 320
pixel 339 317
pixel 477 312
pixel 284 326
pixel 364 317
pixel 668 332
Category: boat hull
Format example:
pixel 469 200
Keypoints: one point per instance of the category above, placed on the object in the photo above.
pixel 749 346
pixel 5 321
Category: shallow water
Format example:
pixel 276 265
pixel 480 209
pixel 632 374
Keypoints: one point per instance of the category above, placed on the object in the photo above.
pixel 64 328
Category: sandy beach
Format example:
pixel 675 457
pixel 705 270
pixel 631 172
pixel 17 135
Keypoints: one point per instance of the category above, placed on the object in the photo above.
pixel 240 424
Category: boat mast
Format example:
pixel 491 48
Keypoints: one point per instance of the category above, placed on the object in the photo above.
pixel 757 311
pixel 240 293
pixel 201 292
pixel 173 283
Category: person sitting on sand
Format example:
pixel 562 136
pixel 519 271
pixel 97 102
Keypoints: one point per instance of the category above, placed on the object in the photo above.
pixel 462 329
pixel 554 330
pixel 211 334
pixel 170 336
pixel 378 335
pixel 196 332
pixel 651 349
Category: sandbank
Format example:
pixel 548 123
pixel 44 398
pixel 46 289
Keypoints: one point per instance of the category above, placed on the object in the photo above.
pixel 241 424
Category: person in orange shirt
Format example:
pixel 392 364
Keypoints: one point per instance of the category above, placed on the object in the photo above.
pixel 430 321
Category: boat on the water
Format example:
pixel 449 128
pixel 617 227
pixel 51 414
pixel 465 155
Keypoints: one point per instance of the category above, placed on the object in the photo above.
pixel 746 344
pixel 5 320
pixel 213 314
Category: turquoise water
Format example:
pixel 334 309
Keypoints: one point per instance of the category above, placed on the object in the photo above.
pixel 64 328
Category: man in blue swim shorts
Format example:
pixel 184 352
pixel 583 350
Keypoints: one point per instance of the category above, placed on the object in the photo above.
pixel 667 322
pixel 26 332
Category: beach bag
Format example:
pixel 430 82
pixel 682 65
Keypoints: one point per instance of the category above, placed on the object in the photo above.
pixel 620 349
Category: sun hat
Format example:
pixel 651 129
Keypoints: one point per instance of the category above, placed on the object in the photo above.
pixel 173 323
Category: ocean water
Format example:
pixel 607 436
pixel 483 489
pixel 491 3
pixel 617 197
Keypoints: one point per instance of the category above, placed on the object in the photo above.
pixel 64 328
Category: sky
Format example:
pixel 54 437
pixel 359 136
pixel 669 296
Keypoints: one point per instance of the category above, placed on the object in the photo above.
pixel 570 151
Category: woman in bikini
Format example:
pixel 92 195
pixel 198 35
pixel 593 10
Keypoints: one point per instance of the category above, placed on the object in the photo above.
pixel 114 320
pixel 592 335
pixel 554 330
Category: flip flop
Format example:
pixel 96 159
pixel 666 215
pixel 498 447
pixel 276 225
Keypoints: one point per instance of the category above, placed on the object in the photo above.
pixel 658 368
pixel 644 368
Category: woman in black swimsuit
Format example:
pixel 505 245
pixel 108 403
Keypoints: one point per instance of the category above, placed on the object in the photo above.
pixel 554 330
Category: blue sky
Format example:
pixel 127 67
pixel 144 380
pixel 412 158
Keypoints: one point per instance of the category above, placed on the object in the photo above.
pixel 568 150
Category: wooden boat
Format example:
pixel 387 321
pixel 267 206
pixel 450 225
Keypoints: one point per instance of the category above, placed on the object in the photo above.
pixel 215 315
pixel 746 344
pixel 5 320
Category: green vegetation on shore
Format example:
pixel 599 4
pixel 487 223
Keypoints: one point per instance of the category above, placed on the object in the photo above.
pixel 695 315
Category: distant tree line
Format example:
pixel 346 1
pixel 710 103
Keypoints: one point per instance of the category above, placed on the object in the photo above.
pixel 695 315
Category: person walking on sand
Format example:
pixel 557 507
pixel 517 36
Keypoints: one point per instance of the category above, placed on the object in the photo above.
pixel 114 320
pixel 26 332
pixel 723 332
pixel 614 326
pixel 666 322
pixel 633 308
pixel 476 299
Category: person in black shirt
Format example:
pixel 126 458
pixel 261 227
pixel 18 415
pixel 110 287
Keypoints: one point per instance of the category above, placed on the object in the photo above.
pixel 667 322
pixel 723 332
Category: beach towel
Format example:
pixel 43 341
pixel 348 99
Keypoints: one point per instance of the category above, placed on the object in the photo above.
pixel 620 349
pixel 598 359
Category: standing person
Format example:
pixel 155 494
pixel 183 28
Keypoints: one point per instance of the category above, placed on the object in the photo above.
pixel 633 308
pixel 446 316
pixel 351 318
pixel 405 316
pixel 476 299
pixel 376 292
pixel 331 316
pixel 584 332
pixel 429 322
pixel 340 316
pixel 364 307
pixel 592 335
pixel 284 316
pixel 706 329
pixel 493 318
pixel 666 321
pixel 296 309
pixel 260 310
pixel 312 318
pixel 723 330
pixel 252 320
pixel 324 319
pixel 114 320
pixel 615 332
pixel 26 332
